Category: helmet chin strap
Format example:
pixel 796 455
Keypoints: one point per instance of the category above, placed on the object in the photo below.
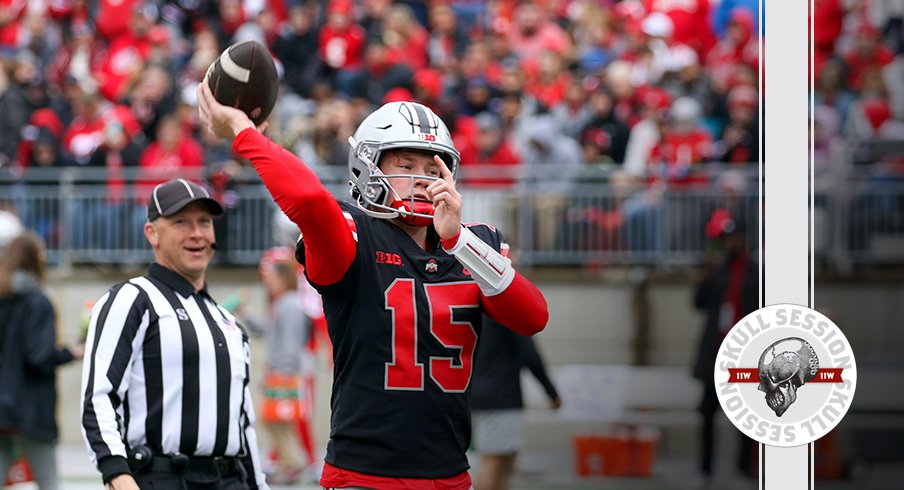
pixel 419 213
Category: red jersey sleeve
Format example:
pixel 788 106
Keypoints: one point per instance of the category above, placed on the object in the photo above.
pixel 521 307
pixel 329 245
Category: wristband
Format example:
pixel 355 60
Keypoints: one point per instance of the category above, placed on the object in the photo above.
pixel 492 272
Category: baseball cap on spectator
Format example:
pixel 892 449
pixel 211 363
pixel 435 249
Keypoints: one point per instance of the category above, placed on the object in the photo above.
pixel 742 96
pixel 654 97
pixel 47 118
pixel 628 10
pixel 397 94
pixel 685 109
pixel 10 227
pixel 430 81
pixel 340 7
pixel 721 224
pixel 683 56
pixel 657 24
pixel 171 197
pixel 487 121
pixel 877 111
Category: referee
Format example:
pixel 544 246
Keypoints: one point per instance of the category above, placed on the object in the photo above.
pixel 165 395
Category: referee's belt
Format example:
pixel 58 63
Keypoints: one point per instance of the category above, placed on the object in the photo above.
pixel 227 466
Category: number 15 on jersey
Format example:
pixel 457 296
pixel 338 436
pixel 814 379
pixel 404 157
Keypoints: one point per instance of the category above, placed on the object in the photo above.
pixel 404 372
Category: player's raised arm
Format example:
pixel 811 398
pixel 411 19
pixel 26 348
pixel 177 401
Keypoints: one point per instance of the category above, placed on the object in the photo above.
pixel 329 245
pixel 508 297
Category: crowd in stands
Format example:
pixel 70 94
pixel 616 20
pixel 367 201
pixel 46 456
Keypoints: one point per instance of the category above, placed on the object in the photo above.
pixel 651 88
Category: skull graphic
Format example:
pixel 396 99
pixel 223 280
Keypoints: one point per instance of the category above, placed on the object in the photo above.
pixel 784 367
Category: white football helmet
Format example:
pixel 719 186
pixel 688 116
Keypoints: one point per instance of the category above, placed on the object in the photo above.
pixel 396 125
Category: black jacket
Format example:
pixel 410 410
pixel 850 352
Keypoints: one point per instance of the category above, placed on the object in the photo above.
pixel 28 361
pixel 501 353
pixel 709 296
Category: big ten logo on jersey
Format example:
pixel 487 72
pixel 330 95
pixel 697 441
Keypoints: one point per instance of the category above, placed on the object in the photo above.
pixel 426 137
pixel 389 258
pixel 785 375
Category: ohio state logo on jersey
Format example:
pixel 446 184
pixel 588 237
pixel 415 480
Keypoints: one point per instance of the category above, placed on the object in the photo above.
pixel 431 266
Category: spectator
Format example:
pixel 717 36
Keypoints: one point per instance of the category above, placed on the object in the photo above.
pixel 604 136
pixel 11 12
pixel 287 331
pixel 533 32
pixel 872 118
pixel 646 133
pixel 372 14
pixel 294 47
pixel 572 112
pixel 127 53
pixel 448 40
pixel 728 291
pixel 478 96
pixel 342 44
pixel 173 154
pixel 740 141
pixel 552 161
pixel 830 88
pixel 739 46
pixel 326 143
pixel 500 45
pixel 151 98
pixel 726 8
pixel 379 75
pixel 14 108
pixel 652 57
pixel 617 79
pixel 232 16
pixel 30 357
pixel 867 52
pixel 79 56
pixel 683 144
pixel 406 40
pixel 549 79
pixel 107 142
pixel 478 61
pixel 594 38
pixel 828 18
pixel 494 150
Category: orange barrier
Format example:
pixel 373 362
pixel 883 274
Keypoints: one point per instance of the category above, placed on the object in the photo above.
pixel 624 451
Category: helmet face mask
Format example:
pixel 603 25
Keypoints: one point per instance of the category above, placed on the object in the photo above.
pixel 396 126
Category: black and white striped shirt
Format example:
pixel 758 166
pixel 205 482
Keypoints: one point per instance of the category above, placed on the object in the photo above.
pixel 169 368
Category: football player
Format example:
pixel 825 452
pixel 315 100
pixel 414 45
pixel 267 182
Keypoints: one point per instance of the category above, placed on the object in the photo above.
pixel 403 285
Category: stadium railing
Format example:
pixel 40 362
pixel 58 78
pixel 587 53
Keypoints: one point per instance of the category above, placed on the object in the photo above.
pixel 592 219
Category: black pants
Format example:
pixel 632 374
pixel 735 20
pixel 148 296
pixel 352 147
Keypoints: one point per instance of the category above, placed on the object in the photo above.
pixel 194 478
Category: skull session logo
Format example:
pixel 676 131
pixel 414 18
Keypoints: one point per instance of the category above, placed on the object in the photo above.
pixel 785 375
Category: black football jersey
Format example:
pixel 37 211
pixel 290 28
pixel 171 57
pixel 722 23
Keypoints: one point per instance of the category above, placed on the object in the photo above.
pixel 404 323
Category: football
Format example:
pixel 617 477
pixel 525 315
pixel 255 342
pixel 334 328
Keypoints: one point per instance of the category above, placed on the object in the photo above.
pixel 245 77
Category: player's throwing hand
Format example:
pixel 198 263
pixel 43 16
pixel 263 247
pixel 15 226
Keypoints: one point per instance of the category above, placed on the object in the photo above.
pixel 222 121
